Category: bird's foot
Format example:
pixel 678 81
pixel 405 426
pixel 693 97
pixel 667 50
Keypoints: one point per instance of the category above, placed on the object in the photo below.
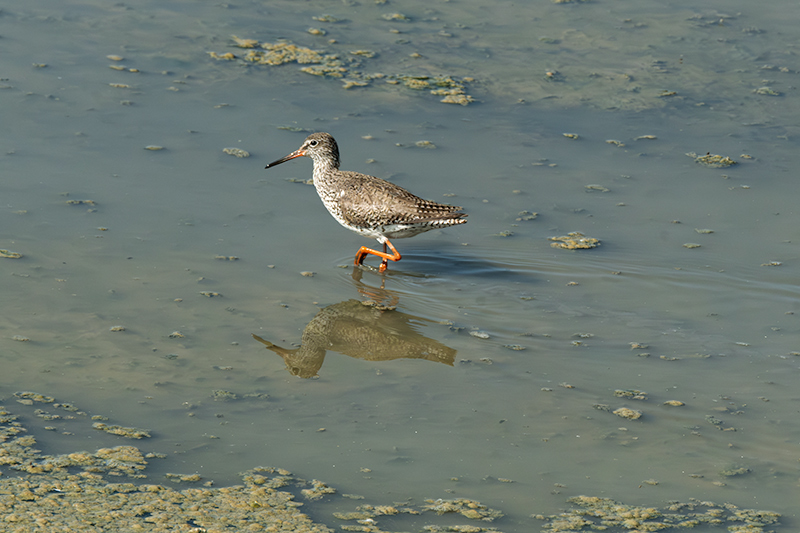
pixel 364 251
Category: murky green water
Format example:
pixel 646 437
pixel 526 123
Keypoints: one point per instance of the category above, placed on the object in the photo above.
pixel 714 326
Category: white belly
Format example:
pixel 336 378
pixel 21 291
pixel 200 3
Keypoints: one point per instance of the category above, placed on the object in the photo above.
pixel 389 231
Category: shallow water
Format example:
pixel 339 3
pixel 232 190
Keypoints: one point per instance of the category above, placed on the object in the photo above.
pixel 714 326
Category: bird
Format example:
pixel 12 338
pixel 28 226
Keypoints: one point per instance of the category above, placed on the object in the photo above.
pixel 368 205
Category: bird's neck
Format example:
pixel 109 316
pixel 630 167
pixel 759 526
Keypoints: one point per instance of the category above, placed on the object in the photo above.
pixel 324 169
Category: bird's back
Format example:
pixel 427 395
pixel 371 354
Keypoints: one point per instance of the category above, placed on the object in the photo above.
pixel 362 201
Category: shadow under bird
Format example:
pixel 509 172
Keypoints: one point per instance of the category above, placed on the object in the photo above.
pixel 368 205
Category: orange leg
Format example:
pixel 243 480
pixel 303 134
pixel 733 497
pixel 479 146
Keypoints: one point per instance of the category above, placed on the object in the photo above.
pixel 363 251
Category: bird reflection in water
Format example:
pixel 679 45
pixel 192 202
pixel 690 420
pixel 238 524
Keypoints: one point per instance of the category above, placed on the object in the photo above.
pixel 369 330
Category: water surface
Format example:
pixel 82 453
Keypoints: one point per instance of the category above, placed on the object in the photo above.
pixel 542 336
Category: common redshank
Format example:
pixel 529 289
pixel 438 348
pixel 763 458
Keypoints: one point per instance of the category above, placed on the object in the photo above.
pixel 368 205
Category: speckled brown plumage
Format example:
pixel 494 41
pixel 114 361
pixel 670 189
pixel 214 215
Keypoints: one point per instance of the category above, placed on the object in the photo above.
pixel 368 205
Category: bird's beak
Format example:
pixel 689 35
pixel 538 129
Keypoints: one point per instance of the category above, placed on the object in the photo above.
pixel 296 153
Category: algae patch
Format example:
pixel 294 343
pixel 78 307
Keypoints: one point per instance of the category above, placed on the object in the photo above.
pixel 73 491
pixel 236 152
pixel 131 433
pixel 49 494
pixel 712 160
pixel 604 513
pixel 38 503
pixel 630 414
pixel 347 68
pixel 8 254
pixel 467 508
pixel 574 241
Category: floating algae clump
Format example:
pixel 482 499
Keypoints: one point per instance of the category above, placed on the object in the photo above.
pixel 467 508
pixel 237 152
pixel 604 513
pixel 767 91
pixel 63 502
pixel 51 496
pixel 413 82
pixel 81 202
pixel 321 63
pixel 317 490
pixel 34 397
pixel 132 433
pixel 574 241
pixel 284 52
pixel 367 516
pixel 633 394
pixel 735 470
pixel 244 43
pixel 711 160
pixel 630 414
pixel 8 254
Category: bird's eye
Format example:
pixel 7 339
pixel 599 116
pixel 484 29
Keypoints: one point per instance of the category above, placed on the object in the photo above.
pixel 313 143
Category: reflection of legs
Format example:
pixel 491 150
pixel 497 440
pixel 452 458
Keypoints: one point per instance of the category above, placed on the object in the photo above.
pixel 363 251
pixel 377 297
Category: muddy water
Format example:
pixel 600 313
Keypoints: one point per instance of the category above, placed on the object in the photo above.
pixel 539 338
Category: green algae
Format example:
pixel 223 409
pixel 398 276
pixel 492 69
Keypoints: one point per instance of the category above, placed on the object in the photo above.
pixel 712 160
pixel 632 394
pixel 318 490
pixel 52 496
pixel 64 502
pixel 630 414
pixel 131 433
pixel 604 514
pixel 236 152
pixel 574 241
pixel 467 508
pixel 73 491
pixel 735 470
pixel 34 396
pixel 8 254
pixel 331 65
